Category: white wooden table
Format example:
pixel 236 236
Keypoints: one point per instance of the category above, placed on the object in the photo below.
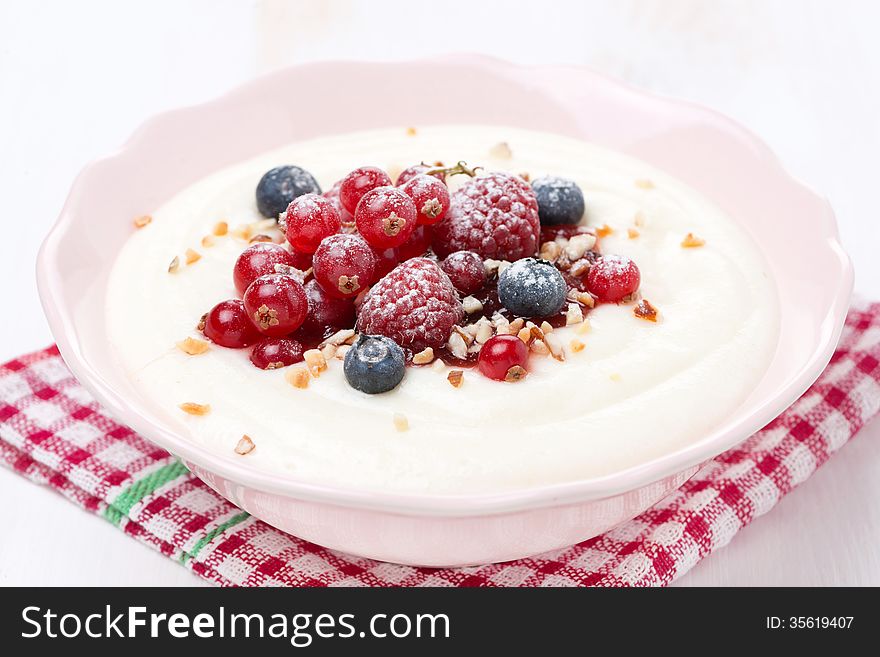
pixel 77 78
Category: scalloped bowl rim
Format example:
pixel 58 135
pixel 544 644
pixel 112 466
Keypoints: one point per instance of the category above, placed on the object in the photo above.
pixel 62 326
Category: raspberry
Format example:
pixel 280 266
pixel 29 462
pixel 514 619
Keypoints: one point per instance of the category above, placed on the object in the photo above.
pixel 495 215
pixel 415 305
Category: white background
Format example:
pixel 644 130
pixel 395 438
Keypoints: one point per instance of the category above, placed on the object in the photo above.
pixel 77 77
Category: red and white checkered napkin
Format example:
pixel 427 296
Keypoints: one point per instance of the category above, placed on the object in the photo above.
pixel 52 432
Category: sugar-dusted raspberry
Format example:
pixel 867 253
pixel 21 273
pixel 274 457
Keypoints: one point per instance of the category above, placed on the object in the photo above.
pixel 415 305
pixel 495 215
pixel 466 271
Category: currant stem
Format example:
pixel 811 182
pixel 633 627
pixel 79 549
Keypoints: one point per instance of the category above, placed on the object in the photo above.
pixel 460 167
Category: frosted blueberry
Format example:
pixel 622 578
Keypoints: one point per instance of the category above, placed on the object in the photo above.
pixel 560 201
pixel 532 288
pixel 279 186
pixel 374 364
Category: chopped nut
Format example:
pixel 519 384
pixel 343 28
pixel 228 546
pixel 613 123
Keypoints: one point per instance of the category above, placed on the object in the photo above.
pixel 471 330
pixel 242 232
pixel 411 132
pixel 195 409
pixel 644 183
pixel 550 251
pixel 574 314
pixel 644 310
pixel 516 325
pixel 539 347
pixel 604 230
pixel 352 339
pixel 491 266
pixel 467 337
pixel 341 350
pixel 514 374
pixel 208 241
pixel 192 256
pixel 423 357
pixel 315 361
pixel 174 265
pixel 260 237
pixel 525 176
pixel 578 245
pixel 504 264
pixel 298 377
pixel 525 334
pixel 471 305
pixel 457 345
pixel 632 233
pixel 691 241
pixel 580 268
pixel 546 327
pixel 202 321
pixel 502 326
pixel 614 376
pixel 193 346
pixel 140 222
pixel 329 351
pixel 639 220
pixel 554 344
pixel 577 345
pixel 455 378
pixel 475 348
pixel 245 445
pixel 338 338
pixel 583 298
pixel 501 150
pixel 484 331
pixel 221 228
pixel 400 422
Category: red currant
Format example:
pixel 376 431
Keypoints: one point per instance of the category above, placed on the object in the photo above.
pixel 386 260
pixel 417 170
pixel 311 218
pixel 430 196
pixel 357 183
pixel 417 244
pixel 385 217
pixel 504 358
pixel 227 324
pixel 258 260
pixel 344 265
pixel 327 314
pixel 276 304
pixel 301 261
pixel 332 195
pixel 612 278
pixel 272 353
pixel 466 271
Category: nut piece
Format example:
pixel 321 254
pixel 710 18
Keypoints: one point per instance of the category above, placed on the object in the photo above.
pixel 195 409
pixel 471 305
pixel 691 241
pixel 260 237
pixel 580 268
pixel 577 345
pixel 632 233
pixel 525 334
pixel 193 346
pixel 242 232
pixel 604 230
pixel 644 310
pixel 540 348
pixel 208 241
pixel 546 327
pixel 315 361
pixel 245 445
pixel 455 378
pixel 174 265
pixel 501 150
pixel 423 357
pixel 502 326
pixel 574 314
pixel 340 337
pixel 516 325
pixel 578 245
pixel 341 350
pixel 457 345
pixel 550 251
pixel 554 344
pixel 484 331
pixel 640 219
pixel 400 422
pixel 192 256
pixel 329 351
pixel 644 183
pixel 298 377
pixel 514 374
pixel 411 132
pixel 221 228
pixel 140 222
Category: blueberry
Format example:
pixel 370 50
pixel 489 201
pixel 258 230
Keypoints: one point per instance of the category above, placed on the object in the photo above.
pixel 560 201
pixel 374 364
pixel 532 288
pixel 279 186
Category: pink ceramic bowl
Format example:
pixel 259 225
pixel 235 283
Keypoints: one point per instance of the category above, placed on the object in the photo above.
pixel 794 227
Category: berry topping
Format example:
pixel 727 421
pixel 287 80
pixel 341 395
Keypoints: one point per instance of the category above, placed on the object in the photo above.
pixel 532 288
pixel 260 259
pixel 227 324
pixel 311 218
pixel 504 358
pixel 430 196
pixel 466 271
pixel 613 278
pixel 374 364
pixel 273 353
pixel 357 183
pixel 560 201
pixel 415 305
pixel 344 265
pixel 332 195
pixel 495 215
pixel 301 261
pixel 279 186
pixel 417 244
pixel 276 304
pixel 327 314
pixel 386 217
pixel 419 169
pixel 386 260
